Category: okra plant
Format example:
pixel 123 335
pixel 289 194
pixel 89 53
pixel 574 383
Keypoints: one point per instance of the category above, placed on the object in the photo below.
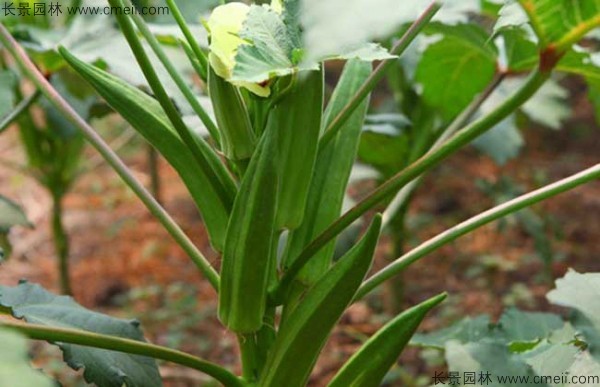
pixel 277 162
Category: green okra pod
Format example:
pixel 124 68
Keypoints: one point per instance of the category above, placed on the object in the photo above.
pixel 303 334
pixel 238 140
pixel 248 257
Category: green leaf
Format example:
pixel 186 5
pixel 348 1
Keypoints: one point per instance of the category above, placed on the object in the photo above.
pixel 248 258
pixel 502 143
pixel 549 359
pixel 467 330
pixel 521 326
pixel 270 50
pixel 582 293
pixel 369 365
pixel 331 174
pixel 521 53
pixel 304 332
pixel 561 23
pixel 11 215
pixel 488 358
pixel 105 368
pixel 15 370
pixel 384 143
pixel 210 185
pixel 456 68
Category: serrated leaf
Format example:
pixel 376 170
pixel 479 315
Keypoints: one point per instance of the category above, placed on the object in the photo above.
pixel 582 293
pixel 467 330
pixel 11 215
pixel 520 326
pixel 269 50
pixel 105 368
pixel 561 23
pixel 487 358
pixel 455 69
pixel 15 368
pixel 548 359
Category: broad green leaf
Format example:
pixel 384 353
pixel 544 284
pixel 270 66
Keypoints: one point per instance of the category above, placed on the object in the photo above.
pixel 304 332
pixel 582 293
pixel 468 330
pixel 521 326
pixel 210 185
pixel 248 258
pixel 15 368
pixel 456 68
pixel 520 52
pixel 368 366
pixel 488 358
pixel 105 368
pixel 561 23
pixel 551 360
pixel 331 174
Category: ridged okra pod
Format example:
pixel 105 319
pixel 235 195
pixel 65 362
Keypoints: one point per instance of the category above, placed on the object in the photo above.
pixel 248 258
pixel 297 118
pixel 238 140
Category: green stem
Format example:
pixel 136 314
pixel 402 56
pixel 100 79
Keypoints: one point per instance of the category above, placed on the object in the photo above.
pixel 249 357
pixel 189 37
pixel 406 192
pixel 393 185
pixel 18 110
pixel 95 340
pixel 61 243
pixel 377 75
pixel 177 78
pixel 109 155
pixel 153 165
pixel 476 222
pixel 193 60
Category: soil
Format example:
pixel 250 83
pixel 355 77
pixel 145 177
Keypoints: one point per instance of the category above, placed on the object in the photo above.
pixel 125 264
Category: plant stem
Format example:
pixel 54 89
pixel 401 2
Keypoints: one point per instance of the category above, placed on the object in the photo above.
pixel 405 193
pixel 109 155
pixel 177 78
pixel 61 242
pixel 193 43
pixel 476 222
pixel 153 164
pixel 377 75
pixel 95 340
pixel 393 185
pixel 249 356
pixel 18 110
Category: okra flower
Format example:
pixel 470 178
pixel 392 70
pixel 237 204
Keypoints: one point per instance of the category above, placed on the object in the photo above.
pixel 224 26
